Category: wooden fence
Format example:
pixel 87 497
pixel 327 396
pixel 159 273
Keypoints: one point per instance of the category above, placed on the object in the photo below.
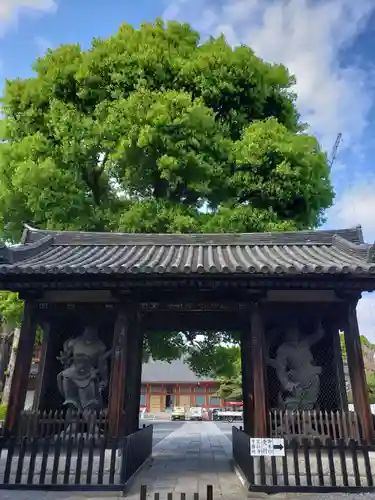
pixel 299 425
pixel 65 424
pixel 308 466
pixel 73 463
pixel 179 496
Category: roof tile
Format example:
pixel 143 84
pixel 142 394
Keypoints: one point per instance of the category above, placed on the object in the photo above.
pixel 305 252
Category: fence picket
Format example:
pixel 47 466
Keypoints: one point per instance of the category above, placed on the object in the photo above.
pixel 306 452
pixel 56 460
pixel 77 479
pixel 113 463
pixel 357 476
pixel 331 463
pixel 21 458
pixel 344 469
pixel 33 454
pixel 68 460
pixel 285 471
pixel 8 464
pixel 273 471
pixel 90 461
pixel 210 492
pixel 366 460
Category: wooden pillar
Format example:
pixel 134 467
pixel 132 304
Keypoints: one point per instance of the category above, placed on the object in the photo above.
pixel 118 374
pixel 247 380
pixel 22 367
pixel 133 374
pixel 43 369
pixel 342 397
pixel 357 372
pixel 260 397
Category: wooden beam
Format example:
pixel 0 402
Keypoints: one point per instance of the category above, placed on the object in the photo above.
pixel 118 374
pixel 45 358
pixel 342 396
pixel 357 372
pixel 22 367
pixel 247 380
pixel 260 397
pixel 133 373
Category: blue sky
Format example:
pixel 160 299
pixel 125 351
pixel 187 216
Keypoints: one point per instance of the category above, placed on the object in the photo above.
pixel 327 44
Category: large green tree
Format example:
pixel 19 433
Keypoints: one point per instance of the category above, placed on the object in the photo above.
pixel 154 130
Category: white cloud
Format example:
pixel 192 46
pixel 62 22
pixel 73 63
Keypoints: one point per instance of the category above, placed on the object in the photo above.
pixel 356 206
pixel 308 37
pixel 11 9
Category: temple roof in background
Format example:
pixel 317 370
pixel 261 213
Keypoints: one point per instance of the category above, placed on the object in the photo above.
pixel 176 371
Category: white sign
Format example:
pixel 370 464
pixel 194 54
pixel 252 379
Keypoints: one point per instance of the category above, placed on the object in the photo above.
pixel 260 447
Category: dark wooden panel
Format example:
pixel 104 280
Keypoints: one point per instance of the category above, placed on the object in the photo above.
pixel 357 372
pixel 260 396
pixel 22 367
pixel 118 373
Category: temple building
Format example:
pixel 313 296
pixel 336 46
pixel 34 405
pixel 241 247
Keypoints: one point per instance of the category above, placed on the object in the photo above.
pixel 164 385
pixel 286 296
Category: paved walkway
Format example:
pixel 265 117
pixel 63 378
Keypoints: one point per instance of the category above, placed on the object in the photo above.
pixel 186 461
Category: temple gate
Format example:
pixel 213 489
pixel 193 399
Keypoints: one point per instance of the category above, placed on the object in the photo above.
pixel 95 296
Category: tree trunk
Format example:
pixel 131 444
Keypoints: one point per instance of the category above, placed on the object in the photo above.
pixel 12 362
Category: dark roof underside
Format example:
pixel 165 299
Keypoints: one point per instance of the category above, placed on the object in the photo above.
pixel 79 253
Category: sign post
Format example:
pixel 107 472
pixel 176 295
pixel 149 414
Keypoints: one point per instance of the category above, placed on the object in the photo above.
pixel 265 447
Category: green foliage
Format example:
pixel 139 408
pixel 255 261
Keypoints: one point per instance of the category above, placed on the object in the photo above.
pixel 222 363
pixel 10 308
pixel 165 346
pixel 365 343
pixel 208 358
pixel 11 311
pixel 3 411
pixel 231 386
pixel 147 127
pixel 151 130
pixel 371 386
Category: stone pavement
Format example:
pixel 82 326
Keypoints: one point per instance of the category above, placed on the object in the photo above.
pixel 187 460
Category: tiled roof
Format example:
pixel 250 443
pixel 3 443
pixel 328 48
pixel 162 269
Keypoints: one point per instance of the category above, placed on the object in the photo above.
pixel 174 372
pixel 305 252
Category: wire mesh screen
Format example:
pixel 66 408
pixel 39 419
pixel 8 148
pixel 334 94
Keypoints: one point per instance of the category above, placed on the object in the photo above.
pixel 301 367
pixel 61 330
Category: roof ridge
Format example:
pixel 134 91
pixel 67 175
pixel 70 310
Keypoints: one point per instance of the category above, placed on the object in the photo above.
pixel 76 238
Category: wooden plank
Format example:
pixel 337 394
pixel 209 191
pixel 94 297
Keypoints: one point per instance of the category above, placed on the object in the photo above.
pixel 260 397
pixel 247 380
pixel 357 372
pixel 118 374
pixel 133 373
pixel 45 356
pixel 22 367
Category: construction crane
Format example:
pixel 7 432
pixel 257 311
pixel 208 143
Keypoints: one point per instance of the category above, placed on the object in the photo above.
pixel 334 150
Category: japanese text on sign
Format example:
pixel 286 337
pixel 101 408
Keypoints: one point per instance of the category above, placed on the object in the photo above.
pixel 260 447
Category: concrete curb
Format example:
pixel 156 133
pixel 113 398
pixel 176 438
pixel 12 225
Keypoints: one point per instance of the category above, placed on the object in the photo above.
pixel 241 477
pixel 146 464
